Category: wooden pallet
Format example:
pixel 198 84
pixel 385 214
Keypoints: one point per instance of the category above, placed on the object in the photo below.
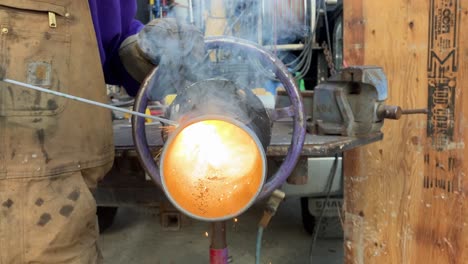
pixel 405 197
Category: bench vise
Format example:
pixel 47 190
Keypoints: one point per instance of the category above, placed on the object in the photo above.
pixel 352 103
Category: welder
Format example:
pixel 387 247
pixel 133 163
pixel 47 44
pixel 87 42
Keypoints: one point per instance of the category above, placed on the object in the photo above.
pixel 53 150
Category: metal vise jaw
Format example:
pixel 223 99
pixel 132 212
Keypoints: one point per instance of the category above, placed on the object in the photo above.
pixel 351 103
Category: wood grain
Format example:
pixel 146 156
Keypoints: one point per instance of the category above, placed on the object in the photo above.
pixel 399 207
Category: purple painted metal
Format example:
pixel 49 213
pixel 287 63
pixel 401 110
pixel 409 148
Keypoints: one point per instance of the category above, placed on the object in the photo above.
pixel 219 256
pixel 218 246
pixel 281 72
pixel 139 130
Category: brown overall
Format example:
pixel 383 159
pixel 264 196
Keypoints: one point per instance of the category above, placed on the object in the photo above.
pixel 51 149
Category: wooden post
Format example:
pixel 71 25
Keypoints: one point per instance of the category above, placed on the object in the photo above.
pixel 405 197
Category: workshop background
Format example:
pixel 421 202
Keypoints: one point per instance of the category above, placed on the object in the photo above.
pixel 404 197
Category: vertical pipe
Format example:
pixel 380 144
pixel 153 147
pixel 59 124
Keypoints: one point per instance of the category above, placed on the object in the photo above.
pixel 218 247
pixel 313 14
pixel 260 23
pixel 150 10
pixel 202 12
pixel 196 13
pixel 190 7
pixel 305 13
pixel 290 10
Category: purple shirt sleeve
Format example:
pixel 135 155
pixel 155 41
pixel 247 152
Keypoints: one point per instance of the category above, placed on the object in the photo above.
pixel 114 22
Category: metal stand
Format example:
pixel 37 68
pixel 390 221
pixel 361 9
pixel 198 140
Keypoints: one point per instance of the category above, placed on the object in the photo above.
pixel 218 247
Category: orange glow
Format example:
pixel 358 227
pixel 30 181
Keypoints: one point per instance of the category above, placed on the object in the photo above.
pixel 213 169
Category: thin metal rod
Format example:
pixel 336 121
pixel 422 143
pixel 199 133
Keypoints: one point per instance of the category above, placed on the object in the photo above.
pixel 305 13
pixel 83 100
pixel 313 14
pixel 415 111
pixel 260 23
pixel 285 47
pixel 202 11
pixel 190 6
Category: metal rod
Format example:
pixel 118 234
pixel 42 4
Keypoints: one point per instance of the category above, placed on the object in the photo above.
pixel 83 100
pixel 285 47
pixel 313 14
pixel 305 13
pixel 415 111
pixel 218 246
pixel 150 10
pixel 190 5
pixel 260 24
pixel 202 12
pixel 264 19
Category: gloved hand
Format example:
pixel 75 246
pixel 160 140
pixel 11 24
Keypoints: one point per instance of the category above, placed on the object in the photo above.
pixel 176 47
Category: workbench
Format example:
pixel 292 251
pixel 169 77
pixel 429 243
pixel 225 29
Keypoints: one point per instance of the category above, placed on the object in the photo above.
pixel 126 184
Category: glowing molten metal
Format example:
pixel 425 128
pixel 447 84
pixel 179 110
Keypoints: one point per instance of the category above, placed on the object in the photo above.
pixel 213 169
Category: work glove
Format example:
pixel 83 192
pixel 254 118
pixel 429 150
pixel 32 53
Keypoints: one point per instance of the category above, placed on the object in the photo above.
pixel 178 49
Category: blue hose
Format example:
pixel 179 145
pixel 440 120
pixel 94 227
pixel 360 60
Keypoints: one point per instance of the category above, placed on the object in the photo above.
pixel 258 247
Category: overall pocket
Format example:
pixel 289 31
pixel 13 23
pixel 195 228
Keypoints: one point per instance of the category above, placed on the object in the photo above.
pixel 35 49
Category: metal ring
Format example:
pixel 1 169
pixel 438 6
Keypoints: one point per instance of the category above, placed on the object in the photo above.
pixel 281 72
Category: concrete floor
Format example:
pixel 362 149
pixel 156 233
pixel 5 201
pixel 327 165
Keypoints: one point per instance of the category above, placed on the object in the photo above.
pixel 137 237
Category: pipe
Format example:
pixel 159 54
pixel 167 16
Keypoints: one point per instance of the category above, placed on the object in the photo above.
pixel 290 86
pixel 313 14
pixel 218 246
pixel 202 12
pixel 282 73
pixel 260 23
pixel 305 12
pixel 190 6
pixel 206 213
pixel 150 10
